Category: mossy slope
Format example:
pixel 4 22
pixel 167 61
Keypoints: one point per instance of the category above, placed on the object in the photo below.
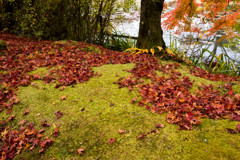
pixel 95 110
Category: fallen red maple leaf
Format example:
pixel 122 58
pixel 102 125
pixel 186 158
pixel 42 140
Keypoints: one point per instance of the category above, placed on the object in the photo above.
pixel 56 132
pixel 80 151
pixel 164 94
pixel 22 122
pixel 64 97
pixel 231 131
pixel 59 114
pixel 157 125
pixel 45 144
pixel 11 117
pixel 112 140
pixel 26 112
pixel 142 136
pixel 230 92
pixel 41 131
pixel 120 131
pixel 62 88
pixel 44 123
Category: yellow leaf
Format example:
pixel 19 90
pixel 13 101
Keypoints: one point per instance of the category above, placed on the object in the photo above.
pixel 139 52
pixel 127 50
pixel 4 133
pixel 181 100
pixel 18 151
pixel 152 51
pixel 201 35
pixel 199 9
pixel 131 49
pixel 196 42
pixel 30 56
pixel 169 52
pixel 217 63
pixel 27 145
pixel 144 50
pixel 159 48
pixel 233 66
pixel 127 135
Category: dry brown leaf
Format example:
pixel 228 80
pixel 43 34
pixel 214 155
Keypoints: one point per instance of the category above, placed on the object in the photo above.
pixel 157 125
pixel 153 111
pixel 120 131
pixel 64 97
pixel 62 88
pixel 26 112
pixel 80 151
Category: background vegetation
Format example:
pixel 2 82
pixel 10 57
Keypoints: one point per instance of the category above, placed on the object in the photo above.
pixel 82 20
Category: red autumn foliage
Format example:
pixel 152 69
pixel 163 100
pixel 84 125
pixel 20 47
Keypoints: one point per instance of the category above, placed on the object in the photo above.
pixel 231 131
pixel 165 94
pixel 44 123
pixel 59 114
pixel 213 77
pixel 26 112
pixel 25 55
pixel 11 117
pixel 72 66
pixel 112 140
pixel 26 137
pixel 220 14
pixel 56 132
pixel 172 95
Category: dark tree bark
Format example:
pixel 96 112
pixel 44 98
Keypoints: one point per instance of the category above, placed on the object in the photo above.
pixel 150 32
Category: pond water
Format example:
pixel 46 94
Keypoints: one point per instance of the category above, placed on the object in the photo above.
pixel 128 24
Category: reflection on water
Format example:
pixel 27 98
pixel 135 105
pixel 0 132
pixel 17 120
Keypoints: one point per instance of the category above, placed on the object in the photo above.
pixel 216 44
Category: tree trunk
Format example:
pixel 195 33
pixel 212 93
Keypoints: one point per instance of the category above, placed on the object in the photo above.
pixel 150 32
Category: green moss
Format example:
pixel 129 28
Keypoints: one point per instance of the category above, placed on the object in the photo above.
pixel 3 45
pixel 197 80
pixel 90 121
pixel 65 42
pixel 236 87
pixel 91 49
pixel 40 71
pixel 3 72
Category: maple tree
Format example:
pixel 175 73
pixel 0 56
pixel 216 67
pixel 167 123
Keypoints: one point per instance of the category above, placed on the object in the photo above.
pixel 150 31
pixel 219 14
pixel 70 64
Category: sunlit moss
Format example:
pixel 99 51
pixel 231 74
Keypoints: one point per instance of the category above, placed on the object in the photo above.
pixel 95 110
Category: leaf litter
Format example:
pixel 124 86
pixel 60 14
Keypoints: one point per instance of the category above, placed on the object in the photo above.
pixel 70 65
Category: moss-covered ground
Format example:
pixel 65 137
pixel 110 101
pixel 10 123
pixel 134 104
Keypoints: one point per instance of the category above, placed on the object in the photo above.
pixel 94 111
